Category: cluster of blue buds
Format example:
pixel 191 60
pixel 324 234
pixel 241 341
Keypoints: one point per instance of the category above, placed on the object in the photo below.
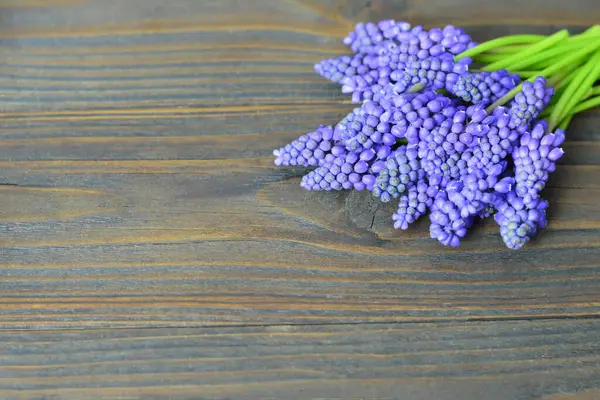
pixel 434 136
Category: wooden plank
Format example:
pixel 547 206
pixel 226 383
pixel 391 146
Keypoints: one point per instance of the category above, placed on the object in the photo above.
pixel 137 186
pixel 494 361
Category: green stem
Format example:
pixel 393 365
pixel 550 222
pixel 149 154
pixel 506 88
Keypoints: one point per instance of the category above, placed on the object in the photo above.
pixel 560 76
pixel 551 61
pixel 416 88
pixel 586 105
pixel 592 30
pixel 586 85
pixel 526 74
pixel 568 61
pixel 595 91
pixel 489 58
pixel 565 123
pixel 544 58
pixel 582 82
pixel 548 57
pixel 546 113
pixel 550 71
pixel 511 49
pixel 564 82
pixel 530 51
pixel 499 42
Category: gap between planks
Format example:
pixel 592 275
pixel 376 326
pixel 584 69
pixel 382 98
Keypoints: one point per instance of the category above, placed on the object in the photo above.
pixel 332 324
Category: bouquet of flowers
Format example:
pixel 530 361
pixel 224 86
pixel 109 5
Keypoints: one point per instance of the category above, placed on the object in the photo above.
pixel 451 128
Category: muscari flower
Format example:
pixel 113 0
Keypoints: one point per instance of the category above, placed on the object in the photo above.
pixel 400 171
pixel 337 70
pixel 519 222
pixel 347 170
pixel 308 150
pixel 437 145
pixel 447 224
pixel 432 73
pixel 389 36
pixel 529 103
pixel 413 204
pixel 534 159
pixel 484 87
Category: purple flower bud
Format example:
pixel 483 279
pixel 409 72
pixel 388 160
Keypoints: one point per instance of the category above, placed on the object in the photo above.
pixel 368 180
pixel 398 131
pixel 555 154
pixel 359 186
pixel 559 138
pixel 361 167
pixel 378 166
pixel 496 170
pixel 348 87
pixel 455 186
pixel 387 139
pixel 478 115
pixel 325 145
pixel 547 140
pixel 504 185
pixel 367 155
pixel 338 151
pixel 354 177
pixel 435 106
pixel 383 152
pixel 466 138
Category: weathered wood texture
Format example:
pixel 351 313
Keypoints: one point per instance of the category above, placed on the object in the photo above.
pixel 138 188
pixel 510 360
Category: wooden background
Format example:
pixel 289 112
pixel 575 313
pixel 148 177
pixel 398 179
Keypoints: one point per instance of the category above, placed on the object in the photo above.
pixel 137 191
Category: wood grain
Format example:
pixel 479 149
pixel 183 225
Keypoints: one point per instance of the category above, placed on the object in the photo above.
pixel 527 360
pixel 137 187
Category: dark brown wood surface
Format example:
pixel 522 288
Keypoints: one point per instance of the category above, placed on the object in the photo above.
pixel 486 360
pixel 138 191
